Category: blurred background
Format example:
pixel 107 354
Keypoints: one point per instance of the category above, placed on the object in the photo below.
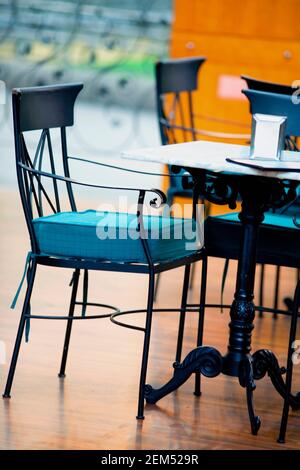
pixel 111 46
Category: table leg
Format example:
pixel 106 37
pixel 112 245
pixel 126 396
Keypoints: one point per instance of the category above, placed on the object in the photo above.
pixel 238 362
pixel 242 310
pixel 246 379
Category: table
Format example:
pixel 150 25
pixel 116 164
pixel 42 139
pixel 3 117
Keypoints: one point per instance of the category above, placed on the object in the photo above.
pixel 222 182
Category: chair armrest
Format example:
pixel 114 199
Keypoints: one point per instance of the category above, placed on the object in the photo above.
pixel 153 202
pixel 130 170
pixel 220 135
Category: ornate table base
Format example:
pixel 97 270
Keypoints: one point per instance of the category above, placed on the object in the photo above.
pixel 209 362
pixel 258 195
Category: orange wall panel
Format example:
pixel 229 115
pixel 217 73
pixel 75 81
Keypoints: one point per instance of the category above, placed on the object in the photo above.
pixel 273 19
pixel 256 38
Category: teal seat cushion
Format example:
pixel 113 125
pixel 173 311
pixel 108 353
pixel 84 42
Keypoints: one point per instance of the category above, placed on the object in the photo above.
pixel 273 219
pixel 113 236
pixel 278 238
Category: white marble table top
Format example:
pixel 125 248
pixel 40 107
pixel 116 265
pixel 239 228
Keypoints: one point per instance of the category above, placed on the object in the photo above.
pixel 209 156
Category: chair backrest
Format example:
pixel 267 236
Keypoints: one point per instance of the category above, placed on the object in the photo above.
pixel 270 87
pixel 176 79
pixel 42 108
pixel 278 105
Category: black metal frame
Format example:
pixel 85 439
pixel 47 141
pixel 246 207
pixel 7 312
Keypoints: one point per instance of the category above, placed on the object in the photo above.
pixel 44 108
pixel 239 362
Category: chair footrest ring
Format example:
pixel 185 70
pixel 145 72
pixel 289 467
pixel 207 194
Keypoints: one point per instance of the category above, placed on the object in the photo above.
pixel 139 328
pixel 258 308
pixel 189 308
pixel 78 317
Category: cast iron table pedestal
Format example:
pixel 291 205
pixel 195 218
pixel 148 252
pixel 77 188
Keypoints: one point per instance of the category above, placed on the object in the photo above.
pixel 258 194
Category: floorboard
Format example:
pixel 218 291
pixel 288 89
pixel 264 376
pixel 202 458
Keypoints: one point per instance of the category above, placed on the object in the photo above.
pixel 94 407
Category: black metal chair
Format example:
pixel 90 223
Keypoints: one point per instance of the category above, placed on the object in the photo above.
pixel 278 235
pixel 176 80
pixel 70 239
pixel 269 87
pixel 294 208
pixel 176 84
pixel 290 140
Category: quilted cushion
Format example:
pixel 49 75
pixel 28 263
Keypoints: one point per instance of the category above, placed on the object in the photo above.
pixel 113 236
pixel 278 239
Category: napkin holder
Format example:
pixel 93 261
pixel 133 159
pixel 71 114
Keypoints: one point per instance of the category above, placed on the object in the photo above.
pixel 267 137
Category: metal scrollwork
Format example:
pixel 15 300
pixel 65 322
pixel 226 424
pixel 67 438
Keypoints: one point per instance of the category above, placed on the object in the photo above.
pixel 281 194
pixel 220 191
pixel 204 359
pixel 159 201
pixel 265 362
pixel 225 189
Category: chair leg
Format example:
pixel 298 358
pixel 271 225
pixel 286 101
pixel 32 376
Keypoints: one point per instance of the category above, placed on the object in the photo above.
pixel 69 324
pixel 182 312
pixel 287 300
pixel 224 277
pixel 157 282
pixel 276 292
pixel 261 288
pixel 289 371
pixel 191 286
pixel 12 368
pixel 140 413
pixel 201 321
pixel 170 200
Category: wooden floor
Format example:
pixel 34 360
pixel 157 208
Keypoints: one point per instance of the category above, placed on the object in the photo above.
pixel 94 407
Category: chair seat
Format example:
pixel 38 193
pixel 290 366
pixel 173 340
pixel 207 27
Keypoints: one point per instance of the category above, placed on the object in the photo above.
pixel 113 236
pixel 278 240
